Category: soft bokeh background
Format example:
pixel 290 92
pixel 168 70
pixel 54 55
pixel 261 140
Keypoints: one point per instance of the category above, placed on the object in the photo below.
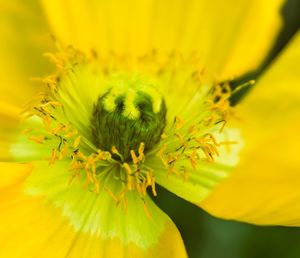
pixel 208 237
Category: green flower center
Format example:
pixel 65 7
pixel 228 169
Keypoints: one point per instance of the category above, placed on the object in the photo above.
pixel 131 112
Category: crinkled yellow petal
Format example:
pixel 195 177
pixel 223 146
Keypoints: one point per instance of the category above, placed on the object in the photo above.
pixel 41 227
pixel 231 37
pixel 23 41
pixel 264 189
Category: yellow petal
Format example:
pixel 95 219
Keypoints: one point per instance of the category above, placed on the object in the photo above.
pixel 11 174
pixel 231 37
pixel 42 228
pixel 8 120
pixel 264 189
pixel 23 41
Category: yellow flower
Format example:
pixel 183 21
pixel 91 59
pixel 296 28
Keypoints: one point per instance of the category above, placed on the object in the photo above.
pixel 140 95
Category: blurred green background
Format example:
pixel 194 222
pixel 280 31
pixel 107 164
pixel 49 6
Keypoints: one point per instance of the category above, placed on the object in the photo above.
pixel 208 237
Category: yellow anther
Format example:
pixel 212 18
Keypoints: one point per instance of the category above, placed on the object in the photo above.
pixel 64 151
pixel 90 164
pixel 193 158
pixel 107 155
pixel 171 158
pixel 71 133
pixel 193 129
pixel 115 151
pixel 134 158
pixel 181 139
pixel 172 170
pixel 37 139
pixel 81 155
pixel 162 155
pixel 127 168
pixel 144 187
pixel 141 151
pixel 58 129
pixel 207 153
pixel 47 121
pixel 53 157
pixel 97 187
pixel 215 150
pixel 179 122
pixel 93 166
pixel 149 177
pixel 54 104
pixel 102 155
pixel 89 177
pixel 153 187
pixel 130 183
pixel 211 137
pixel 77 142
pixel 75 165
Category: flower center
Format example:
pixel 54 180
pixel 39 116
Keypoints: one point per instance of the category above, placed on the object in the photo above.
pixel 136 128
pixel 132 111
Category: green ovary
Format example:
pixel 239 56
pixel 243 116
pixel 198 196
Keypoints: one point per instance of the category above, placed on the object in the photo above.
pixel 131 112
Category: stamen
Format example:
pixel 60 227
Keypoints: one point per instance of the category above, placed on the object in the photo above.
pixel 128 123
pixel 134 158
pixel 53 157
pixel 37 139
pixel 116 152
pixel 76 142
pixel 178 122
